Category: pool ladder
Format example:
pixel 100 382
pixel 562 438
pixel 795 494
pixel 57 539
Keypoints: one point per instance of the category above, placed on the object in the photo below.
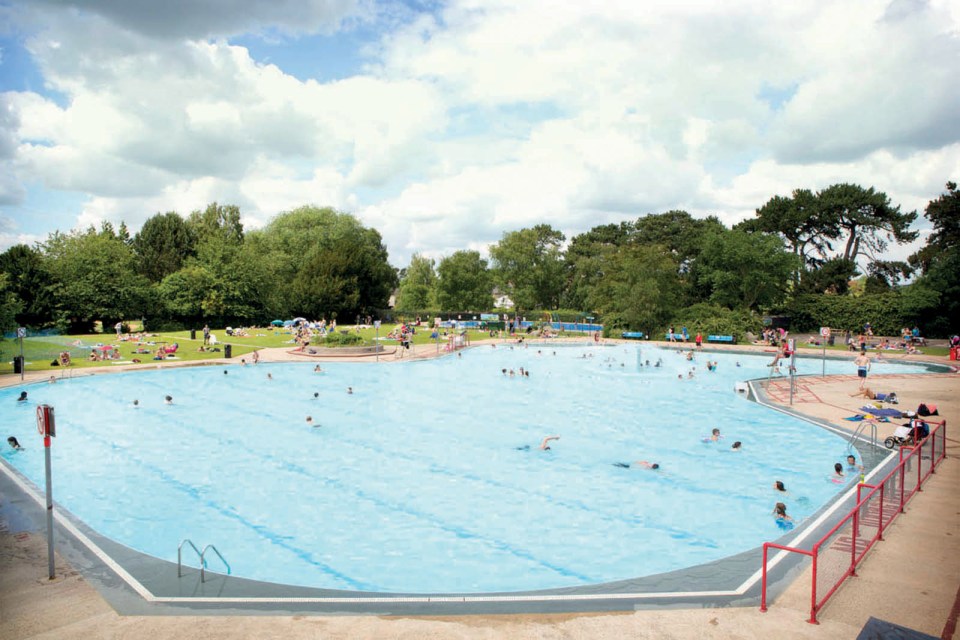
pixel 202 556
pixel 860 432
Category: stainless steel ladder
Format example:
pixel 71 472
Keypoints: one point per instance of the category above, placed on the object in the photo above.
pixel 201 555
pixel 861 429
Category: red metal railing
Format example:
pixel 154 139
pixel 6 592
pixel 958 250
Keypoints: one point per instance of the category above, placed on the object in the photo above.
pixel 835 556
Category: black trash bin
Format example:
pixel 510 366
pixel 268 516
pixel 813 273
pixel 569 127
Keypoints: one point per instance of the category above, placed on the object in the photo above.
pixel 18 364
pixel 228 351
pixel 831 339
pixel 193 334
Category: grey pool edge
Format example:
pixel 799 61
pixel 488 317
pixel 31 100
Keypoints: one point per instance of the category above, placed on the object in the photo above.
pixel 134 583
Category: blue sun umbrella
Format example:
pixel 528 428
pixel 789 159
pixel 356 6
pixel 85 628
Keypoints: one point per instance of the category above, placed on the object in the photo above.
pixel 277 323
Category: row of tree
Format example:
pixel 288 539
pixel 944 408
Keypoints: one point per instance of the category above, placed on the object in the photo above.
pixel 799 255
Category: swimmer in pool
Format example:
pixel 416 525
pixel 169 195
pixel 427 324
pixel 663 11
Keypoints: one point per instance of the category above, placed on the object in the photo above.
pixel 838 471
pixel 23 397
pixel 780 512
pixel 14 443
pixel 317 369
pixel 778 485
pixel 316 394
pixel 715 435
pixel 737 446
pixel 545 443
pixel 642 464
pixel 136 404
pixel 168 400
pixel 852 464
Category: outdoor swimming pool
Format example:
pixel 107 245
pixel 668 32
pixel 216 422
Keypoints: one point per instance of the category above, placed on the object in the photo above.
pixel 418 481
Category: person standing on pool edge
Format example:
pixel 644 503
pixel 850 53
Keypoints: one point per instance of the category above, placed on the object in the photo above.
pixel 863 366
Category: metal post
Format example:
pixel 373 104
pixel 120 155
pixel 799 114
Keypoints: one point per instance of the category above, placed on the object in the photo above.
pixel 823 373
pixel 376 343
pixel 50 567
pixel 763 581
pixel 793 372
pixel 23 363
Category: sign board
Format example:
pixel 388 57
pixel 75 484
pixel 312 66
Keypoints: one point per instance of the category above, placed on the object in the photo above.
pixel 46 424
pixel 21 332
pixel 824 332
pixel 376 324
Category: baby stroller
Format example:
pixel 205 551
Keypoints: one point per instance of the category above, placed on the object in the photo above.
pixel 908 434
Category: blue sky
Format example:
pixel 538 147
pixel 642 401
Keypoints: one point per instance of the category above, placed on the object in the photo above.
pixel 445 124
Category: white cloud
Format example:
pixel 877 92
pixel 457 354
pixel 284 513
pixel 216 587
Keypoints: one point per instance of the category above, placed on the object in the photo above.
pixel 489 116
pixel 210 18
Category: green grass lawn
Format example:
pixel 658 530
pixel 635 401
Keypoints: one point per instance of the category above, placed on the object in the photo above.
pixel 40 351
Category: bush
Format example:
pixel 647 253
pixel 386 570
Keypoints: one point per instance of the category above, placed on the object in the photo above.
pixel 887 312
pixel 339 339
pixel 711 319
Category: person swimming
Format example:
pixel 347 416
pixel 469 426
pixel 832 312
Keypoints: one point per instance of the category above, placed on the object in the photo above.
pixel 14 443
pixel 642 464
pixel 780 512
pixel 544 444
pixel 852 464
pixel 737 446
pixel 23 397
pixel 316 394
pixel 715 435
pixel 778 485
pixel 168 399
pixel 136 404
pixel 838 475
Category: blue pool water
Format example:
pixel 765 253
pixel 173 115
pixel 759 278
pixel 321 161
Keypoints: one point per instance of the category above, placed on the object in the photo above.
pixel 417 482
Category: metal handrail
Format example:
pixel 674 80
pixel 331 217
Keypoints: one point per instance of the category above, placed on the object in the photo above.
pixel 203 561
pixel 179 563
pixel 859 431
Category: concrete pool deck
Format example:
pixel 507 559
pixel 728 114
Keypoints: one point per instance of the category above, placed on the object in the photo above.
pixel 910 579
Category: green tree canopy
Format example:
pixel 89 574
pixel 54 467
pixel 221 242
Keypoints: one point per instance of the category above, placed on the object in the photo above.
pixel 464 282
pixel 939 262
pixel 303 247
pixel 94 278
pixel 638 289
pixel 418 285
pixel 528 265
pixel 163 245
pixel 866 218
pixel 10 306
pixel 746 271
pixel 29 280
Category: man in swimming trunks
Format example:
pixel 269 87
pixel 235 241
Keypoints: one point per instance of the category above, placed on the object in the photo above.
pixel 863 366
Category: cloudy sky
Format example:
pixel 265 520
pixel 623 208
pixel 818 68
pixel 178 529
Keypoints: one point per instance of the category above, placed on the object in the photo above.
pixel 445 124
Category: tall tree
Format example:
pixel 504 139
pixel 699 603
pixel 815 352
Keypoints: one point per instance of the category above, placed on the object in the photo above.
pixel 939 262
pixel 528 265
pixel 944 214
pixel 638 289
pixel 30 280
pixel 10 306
pixel 302 244
pixel 464 282
pixel 163 245
pixel 746 271
pixel 798 221
pixel 866 218
pixel 418 285
pixel 94 278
